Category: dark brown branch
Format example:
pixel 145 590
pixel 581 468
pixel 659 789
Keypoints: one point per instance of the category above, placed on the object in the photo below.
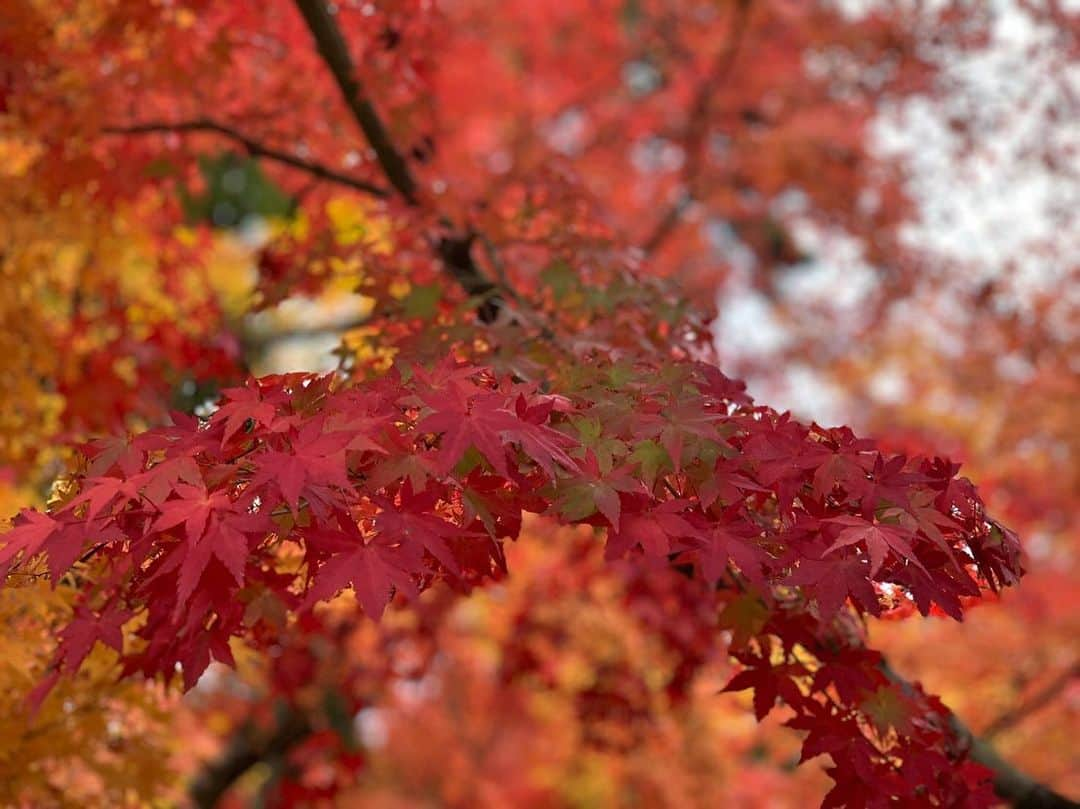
pixel 253 148
pixel 1019 789
pixel 667 224
pixel 697 121
pixel 455 248
pixel 245 750
pixel 1036 702
pixel 456 254
pixel 335 53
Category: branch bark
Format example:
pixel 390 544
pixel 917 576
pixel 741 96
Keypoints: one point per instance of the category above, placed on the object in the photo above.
pixel 335 53
pixel 1018 788
pixel 253 148
pixel 455 248
pixel 245 751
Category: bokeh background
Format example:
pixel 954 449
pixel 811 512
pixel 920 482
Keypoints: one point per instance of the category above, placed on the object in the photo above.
pixel 883 203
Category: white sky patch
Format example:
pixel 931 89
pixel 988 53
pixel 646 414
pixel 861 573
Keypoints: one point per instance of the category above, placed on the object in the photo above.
pixel 806 393
pixel 566 134
pixel 370 725
pixel 1002 200
pixel 889 385
pixel 841 279
pixel 992 170
pixel 747 327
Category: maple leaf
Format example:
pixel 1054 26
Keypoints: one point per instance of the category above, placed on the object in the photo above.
pixel 100 492
pixel 416 469
pixel 654 530
pixel 878 539
pixel 231 548
pixel 193 508
pixel 728 483
pixel 765 685
pixel 486 422
pixel 719 386
pixel 769 683
pixel 651 459
pixel 852 672
pixel 85 630
pixel 722 545
pixel 314 466
pixel 887 710
pixel 193 562
pixel 841 468
pixel 470 421
pixel 367 571
pixel 27 538
pixel 406 523
pixel 579 497
pixel 827 733
pixel 243 409
pixel 745 616
pixel 831 582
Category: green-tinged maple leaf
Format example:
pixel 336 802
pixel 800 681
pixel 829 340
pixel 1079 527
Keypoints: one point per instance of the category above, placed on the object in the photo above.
pixel 745 617
pixel 887 710
pixel 652 461
pixel 561 278
pixel 422 301
pixel 608 451
pixel 578 499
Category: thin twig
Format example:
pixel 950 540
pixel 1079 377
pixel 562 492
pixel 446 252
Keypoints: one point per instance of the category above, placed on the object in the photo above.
pixel 253 147
pixel 1037 701
pixel 694 131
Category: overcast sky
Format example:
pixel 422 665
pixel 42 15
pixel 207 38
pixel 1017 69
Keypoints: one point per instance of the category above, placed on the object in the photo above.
pixel 994 205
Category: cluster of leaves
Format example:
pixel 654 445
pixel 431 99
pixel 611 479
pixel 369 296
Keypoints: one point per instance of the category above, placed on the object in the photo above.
pixel 639 128
pixel 390 485
pixel 601 656
pixel 92 294
pixel 1018 439
pixel 95 740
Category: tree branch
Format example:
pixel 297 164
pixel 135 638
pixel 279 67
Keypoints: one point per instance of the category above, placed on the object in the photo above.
pixel 1037 701
pixel 253 148
pixel 1019 789
pixel 244 752
pixel 335 53
pixel 456 254
pixel 454 249
pixel 694 131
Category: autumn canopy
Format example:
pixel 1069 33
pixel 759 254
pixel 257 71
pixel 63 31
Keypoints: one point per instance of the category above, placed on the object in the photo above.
pixel 518 540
